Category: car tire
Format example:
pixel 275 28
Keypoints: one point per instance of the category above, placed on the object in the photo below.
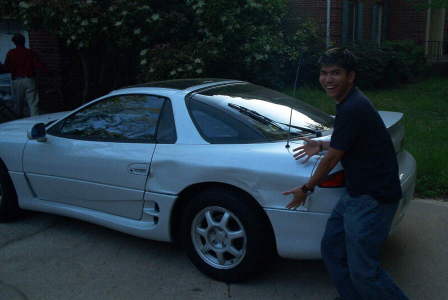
pixel 9 208
pixel 226 236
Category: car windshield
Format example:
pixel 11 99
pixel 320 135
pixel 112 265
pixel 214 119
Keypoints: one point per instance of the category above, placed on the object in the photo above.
pixel 245 113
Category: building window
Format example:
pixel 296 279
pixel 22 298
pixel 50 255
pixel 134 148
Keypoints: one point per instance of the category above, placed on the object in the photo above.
pixel 377 23
pixel 352 21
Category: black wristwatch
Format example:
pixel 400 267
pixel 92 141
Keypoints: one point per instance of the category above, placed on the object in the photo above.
pixel 307 190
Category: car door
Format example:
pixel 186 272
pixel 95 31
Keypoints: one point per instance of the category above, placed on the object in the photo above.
pixel 99 157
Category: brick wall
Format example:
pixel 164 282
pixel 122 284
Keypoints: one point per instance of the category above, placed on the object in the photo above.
pixel 317 10
pixel 47 48
pixel 403 20
pixel 406 22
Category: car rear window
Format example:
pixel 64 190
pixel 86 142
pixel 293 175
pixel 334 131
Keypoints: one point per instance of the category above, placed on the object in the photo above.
pixel 247 113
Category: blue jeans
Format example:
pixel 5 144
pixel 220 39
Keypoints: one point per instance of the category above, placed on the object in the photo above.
pixel 351 244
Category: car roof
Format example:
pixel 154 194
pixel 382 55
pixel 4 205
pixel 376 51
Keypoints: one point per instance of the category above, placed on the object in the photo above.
pixel 178 84
pixel 186 85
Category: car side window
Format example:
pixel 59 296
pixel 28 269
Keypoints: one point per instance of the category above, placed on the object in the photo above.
pixel 218 127
pixel 122 118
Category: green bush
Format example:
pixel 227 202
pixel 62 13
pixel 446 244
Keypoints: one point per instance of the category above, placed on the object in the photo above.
pixel 409 58
pixel 393 63
pixel 235 39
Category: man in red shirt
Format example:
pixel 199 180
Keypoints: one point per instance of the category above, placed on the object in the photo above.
pixel 22 63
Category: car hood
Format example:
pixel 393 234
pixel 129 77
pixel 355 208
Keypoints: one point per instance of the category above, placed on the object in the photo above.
pixel 27 123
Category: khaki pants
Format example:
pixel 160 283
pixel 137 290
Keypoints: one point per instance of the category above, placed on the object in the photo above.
pixel 25 89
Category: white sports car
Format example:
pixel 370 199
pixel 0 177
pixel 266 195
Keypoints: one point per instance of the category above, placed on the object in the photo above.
pixel 200 161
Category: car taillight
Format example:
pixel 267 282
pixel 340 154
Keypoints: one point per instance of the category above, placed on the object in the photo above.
pixel 334 180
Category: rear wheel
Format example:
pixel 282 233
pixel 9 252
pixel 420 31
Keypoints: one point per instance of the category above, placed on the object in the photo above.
pixel 227 237
pixel 8 197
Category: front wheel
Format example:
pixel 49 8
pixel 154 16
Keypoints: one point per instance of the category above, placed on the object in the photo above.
pixel 227 237
pixel 8 197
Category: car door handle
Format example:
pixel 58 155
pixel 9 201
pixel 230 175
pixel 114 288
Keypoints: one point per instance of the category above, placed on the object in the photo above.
pixel 138 169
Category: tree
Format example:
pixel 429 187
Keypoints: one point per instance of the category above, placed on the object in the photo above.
pixel 242 39
pixel 165 39
pixel 103 32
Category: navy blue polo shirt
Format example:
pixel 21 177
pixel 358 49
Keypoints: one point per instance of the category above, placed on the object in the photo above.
pixel 370 161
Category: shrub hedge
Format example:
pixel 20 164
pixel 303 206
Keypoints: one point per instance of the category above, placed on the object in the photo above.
pixel 393 63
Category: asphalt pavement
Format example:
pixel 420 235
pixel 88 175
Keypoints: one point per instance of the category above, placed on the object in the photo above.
pixel 50 257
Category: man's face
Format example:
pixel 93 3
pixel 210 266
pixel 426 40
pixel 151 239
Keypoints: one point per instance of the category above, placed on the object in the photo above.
pixel 336 81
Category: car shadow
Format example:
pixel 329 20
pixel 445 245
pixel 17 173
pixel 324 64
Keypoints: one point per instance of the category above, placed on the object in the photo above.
pixel 61 244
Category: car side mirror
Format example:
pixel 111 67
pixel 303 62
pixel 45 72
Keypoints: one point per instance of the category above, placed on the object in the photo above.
pixel 38 132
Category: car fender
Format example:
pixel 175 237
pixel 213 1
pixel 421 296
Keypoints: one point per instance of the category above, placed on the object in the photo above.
pixel 262 170
pixel 13 137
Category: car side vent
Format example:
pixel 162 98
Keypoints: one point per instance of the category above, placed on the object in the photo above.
pixel 152 211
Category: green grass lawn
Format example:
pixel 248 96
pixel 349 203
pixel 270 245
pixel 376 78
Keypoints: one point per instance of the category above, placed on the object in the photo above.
pixel 425 108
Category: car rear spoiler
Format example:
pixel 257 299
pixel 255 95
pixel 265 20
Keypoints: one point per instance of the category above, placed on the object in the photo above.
pixel 395 126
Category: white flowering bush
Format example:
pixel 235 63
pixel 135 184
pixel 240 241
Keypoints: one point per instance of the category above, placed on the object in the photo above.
pixel 243 39
pixel 83 24
pixel 103 39
pixel 164 61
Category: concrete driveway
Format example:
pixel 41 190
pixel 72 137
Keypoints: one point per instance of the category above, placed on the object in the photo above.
pixel 49 257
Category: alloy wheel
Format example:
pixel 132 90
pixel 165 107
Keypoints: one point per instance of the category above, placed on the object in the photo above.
pixel 219 237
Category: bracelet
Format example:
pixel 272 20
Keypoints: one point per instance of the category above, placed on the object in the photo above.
pixel 305 189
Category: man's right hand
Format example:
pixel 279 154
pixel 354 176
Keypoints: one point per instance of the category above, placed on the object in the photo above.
pixel 310 148
pixel 298 199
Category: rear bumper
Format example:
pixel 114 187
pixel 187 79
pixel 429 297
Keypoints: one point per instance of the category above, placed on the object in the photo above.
pixel 298 233
pixel 408 175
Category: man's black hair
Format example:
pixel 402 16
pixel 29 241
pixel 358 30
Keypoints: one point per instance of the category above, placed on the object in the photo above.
pixel 18 39
pixel 341 57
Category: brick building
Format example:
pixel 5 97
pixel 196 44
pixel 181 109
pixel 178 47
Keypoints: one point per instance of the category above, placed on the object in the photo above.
pixel 348 21
pixel 47 47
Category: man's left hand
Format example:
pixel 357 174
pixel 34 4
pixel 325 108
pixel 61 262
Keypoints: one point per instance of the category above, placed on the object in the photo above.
pixel 299 197
pixel 308 149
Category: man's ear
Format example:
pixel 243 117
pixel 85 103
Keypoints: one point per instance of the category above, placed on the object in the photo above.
pixel 351 76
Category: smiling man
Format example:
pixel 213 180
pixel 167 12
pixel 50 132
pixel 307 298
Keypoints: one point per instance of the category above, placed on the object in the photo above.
pixel 361 220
